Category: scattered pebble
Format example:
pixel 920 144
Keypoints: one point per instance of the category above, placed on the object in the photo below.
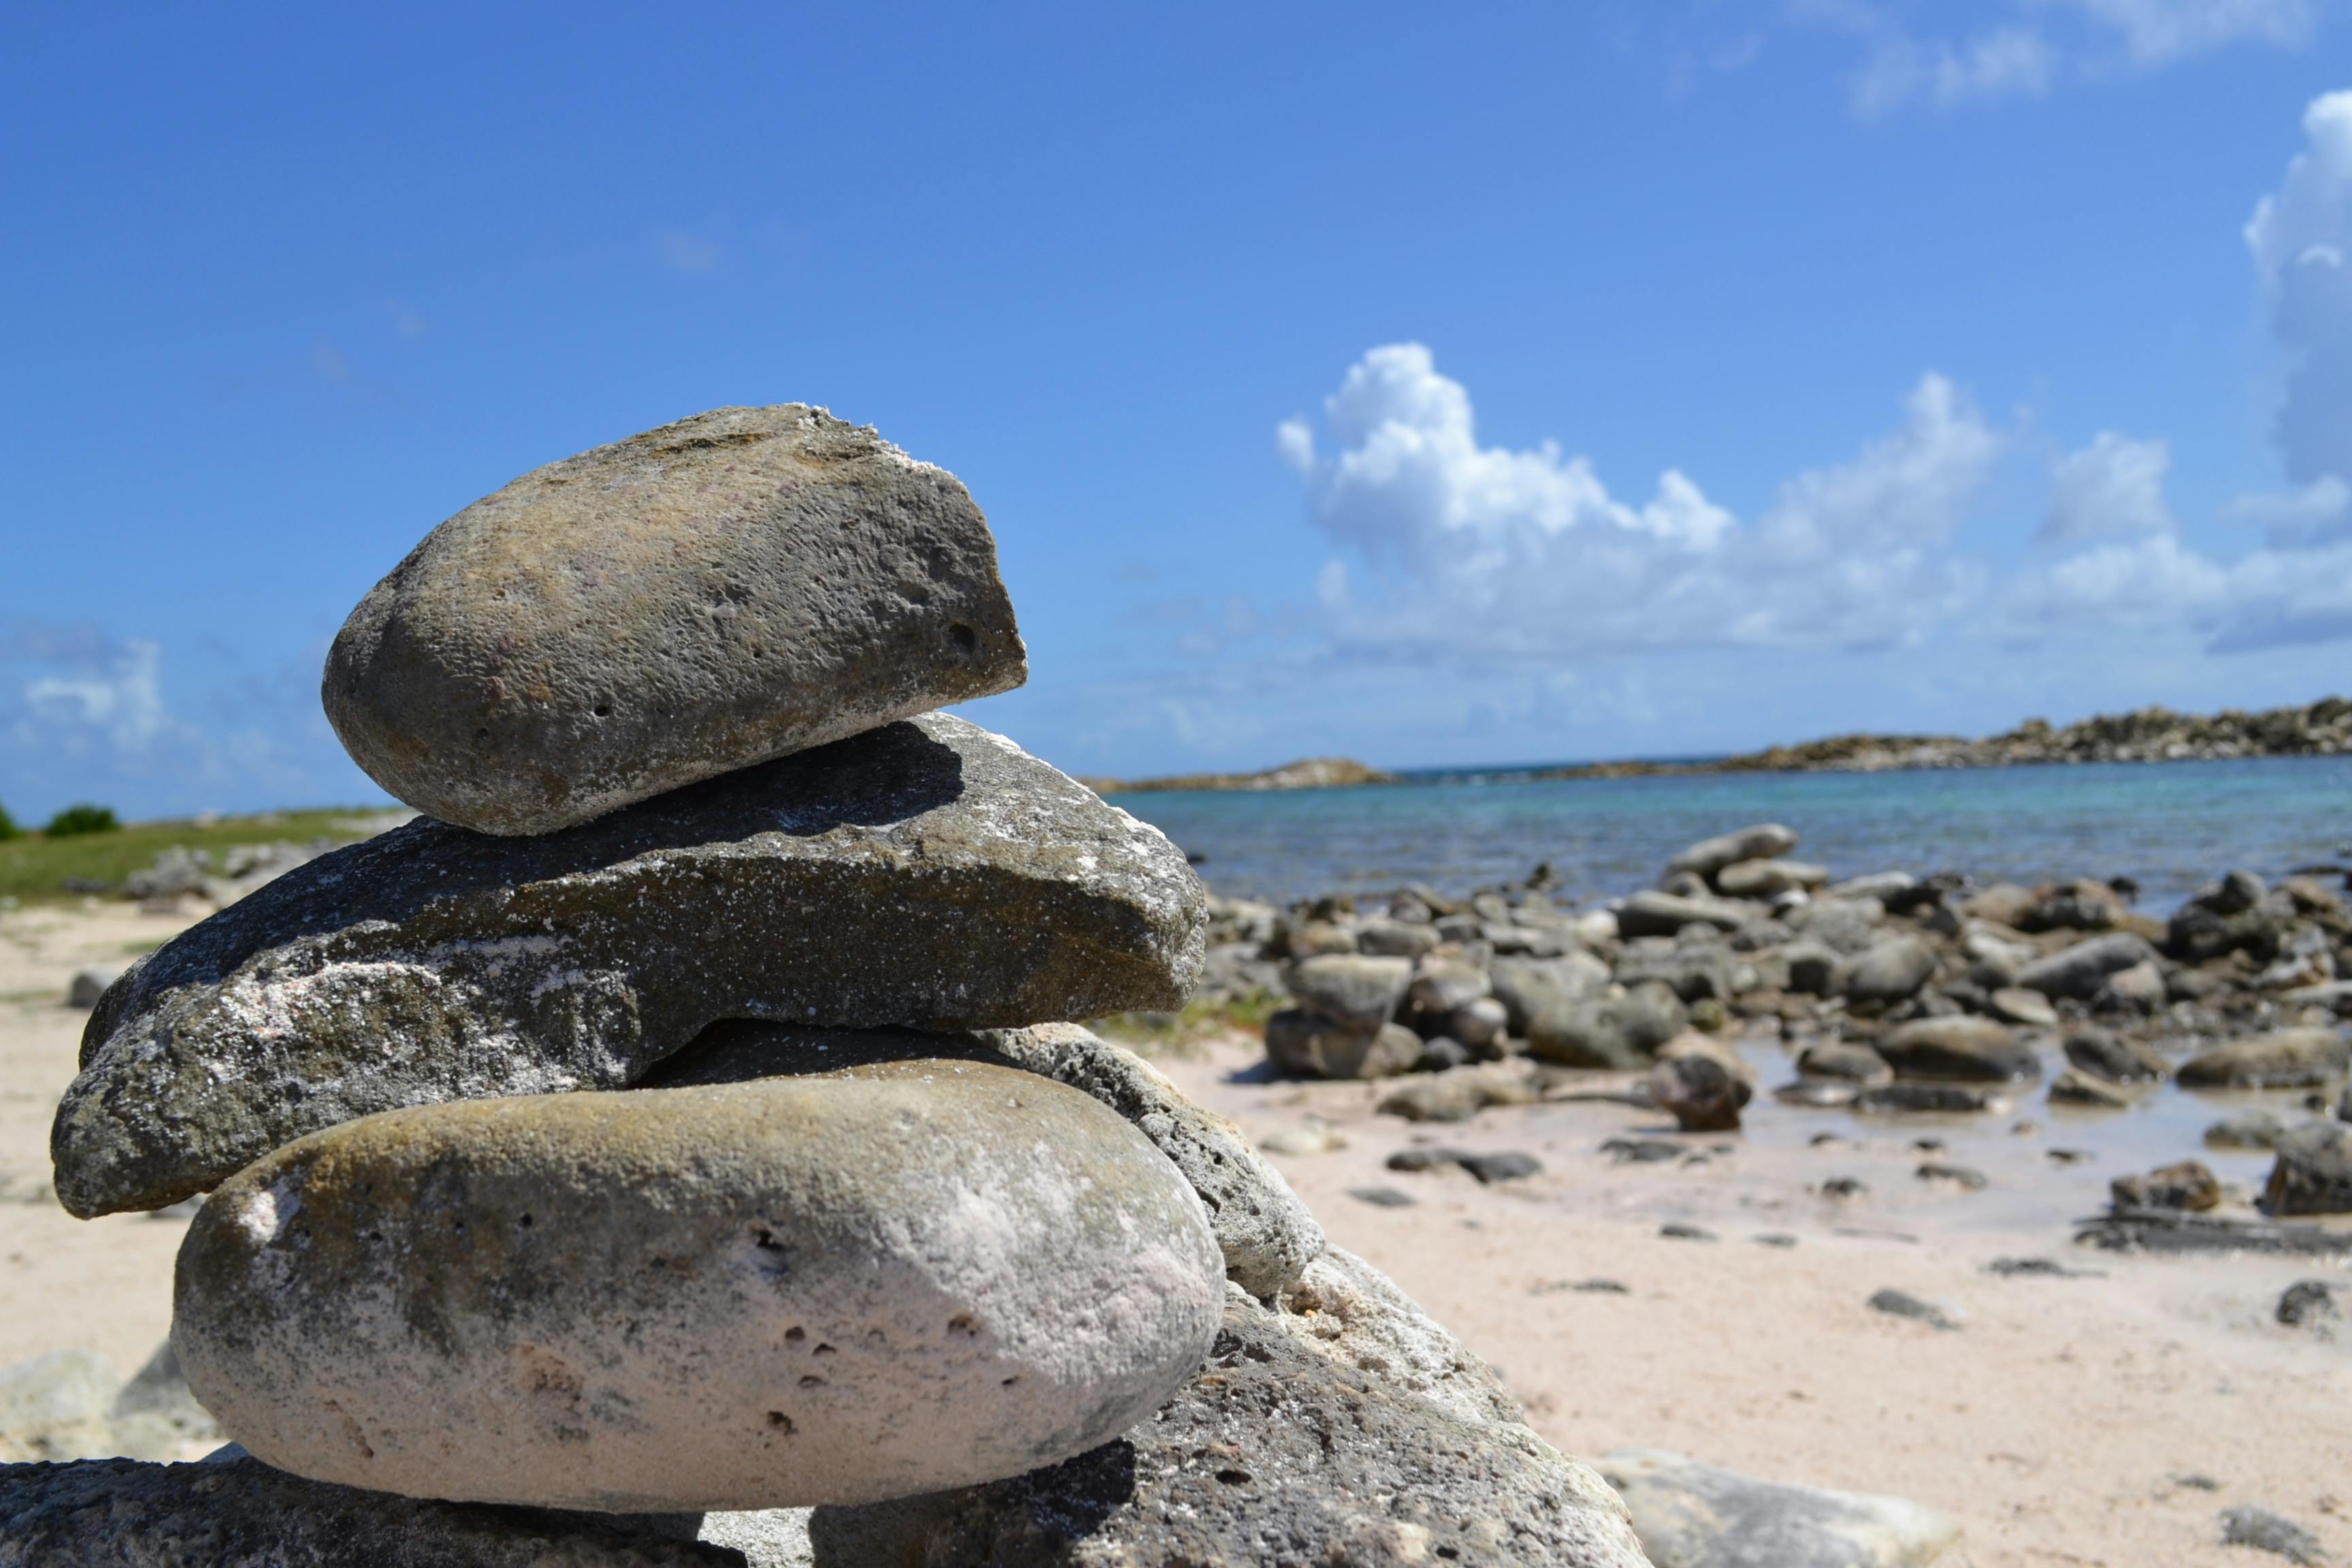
pixel 2046 1268
pixel 1963 1176
pixel 1899 1304
pixel 1309 1138
pixel 1583 1287
pixel 1774 1238
pixel 2248 1525
pixel 1677 1231
pixel 2195 1481
pixel 2307 1301
pixel 1641 1150
pixel 1507 1166
pixel 2068 1156
pixel 1845 1187
pixel 1929 1145
pixel 1382 1197
pixel 1820 1139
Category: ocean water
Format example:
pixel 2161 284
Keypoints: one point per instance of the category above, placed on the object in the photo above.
pixel 2172 827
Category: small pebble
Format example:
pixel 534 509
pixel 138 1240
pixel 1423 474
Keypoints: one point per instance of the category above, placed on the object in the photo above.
pixel 2306 1301
pixel 1974 1181
pixel 1845 1187
pixel 2045 1267
pixel 1382 1197
pixel 1897 1303
pixel 1641 1150
pixel 1774 1238
pixel 2068 1156
pixel 2248 1525
pixel 1679 1231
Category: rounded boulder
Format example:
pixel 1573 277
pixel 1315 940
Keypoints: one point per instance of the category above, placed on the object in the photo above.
pixel 736 586
pixel 918 1275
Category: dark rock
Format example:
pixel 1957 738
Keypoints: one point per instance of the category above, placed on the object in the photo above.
pixel 1677 1231
pixel 1965 1176
pixel 2248 1525
pixel 2313 1171
pixel 2306 1301
pixel 239 1513
pixel 1383 1197
pixel 1780 1238
pixel 1690 1515
pixel 2103 1053
pixel 1444 1053
pixel 2283 1058
pixel 1342 1428
pixel 1958 1047
pixel 722 591
pixel 1507 1166
pixel 2044 1268
pixel 2183 1184
pixel 925 874
pixel 1813 967
pixel 1899 1304
pixel 2079 905
pixel 2175 1231
pixel 1845 1187
pixel 90 983
pixel 1600 1288
pixel 1900 1097
pixel 1642 1151
pixel 1700 1092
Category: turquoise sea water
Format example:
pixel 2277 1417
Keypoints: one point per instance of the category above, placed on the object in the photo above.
pixel 2172 825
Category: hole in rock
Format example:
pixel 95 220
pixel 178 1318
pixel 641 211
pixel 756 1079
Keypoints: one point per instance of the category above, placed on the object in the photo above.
pixel 1234 1478
pixel 780 1422
pixel 966 640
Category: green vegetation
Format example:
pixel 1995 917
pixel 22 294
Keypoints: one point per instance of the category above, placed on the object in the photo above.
pixel 36 868
pixel 8 829
pixel 1180 1034
pixel 76 820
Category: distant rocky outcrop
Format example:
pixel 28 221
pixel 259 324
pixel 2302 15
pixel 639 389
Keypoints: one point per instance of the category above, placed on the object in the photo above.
pixel 1307 773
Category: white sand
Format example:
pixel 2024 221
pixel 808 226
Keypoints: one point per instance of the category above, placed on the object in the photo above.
pixel 2053 1422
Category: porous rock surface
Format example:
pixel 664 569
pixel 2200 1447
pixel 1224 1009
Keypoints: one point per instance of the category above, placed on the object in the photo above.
pixel 1338 1425
pixel 736 586
pixel 1267 1234
pixel 741 1296
pixel 927 874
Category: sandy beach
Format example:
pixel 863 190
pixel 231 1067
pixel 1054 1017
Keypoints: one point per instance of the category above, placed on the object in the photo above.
pixel 2105 1418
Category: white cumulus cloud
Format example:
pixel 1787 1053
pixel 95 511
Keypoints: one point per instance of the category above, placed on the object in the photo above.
pixel 2112 487
pixel 2300 237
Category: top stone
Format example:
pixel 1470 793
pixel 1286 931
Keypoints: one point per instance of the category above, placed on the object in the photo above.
pixel 736 586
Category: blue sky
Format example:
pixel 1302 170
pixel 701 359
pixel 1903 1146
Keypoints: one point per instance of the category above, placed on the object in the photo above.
pixel 1432 384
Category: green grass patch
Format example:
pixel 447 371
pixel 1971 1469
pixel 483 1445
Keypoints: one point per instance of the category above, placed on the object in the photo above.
pixel 1181 1034
pixel 38 868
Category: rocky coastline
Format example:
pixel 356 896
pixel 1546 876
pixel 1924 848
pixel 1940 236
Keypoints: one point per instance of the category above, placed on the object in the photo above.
pixel 2154 734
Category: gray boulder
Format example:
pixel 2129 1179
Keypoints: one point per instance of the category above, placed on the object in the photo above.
pixel 1690 1515
pixel 1623 1033
pixel 2186 1184
pixel 1765 841
pixel 1308 1045
pixel 2115 1058
pixel 1442 985
pixel 1664 914
pixel 2283 1058
pixel 1844 1060
pixel 2081 971
pixel 1354 990
pixel 1847 925
pixel 1459 1093
pixel 792 1291
pixel 1395 937
pixel 1890 971
pixel 2245 1130
pixel 1338 1426
pixel 1813 967
pixel 1763 878
pixel 925 874
pixel 1267 1234
pixel 2313 1171
pixel 1691 970
pixel 734 588
pixel 1958 1047
pixel 1529 986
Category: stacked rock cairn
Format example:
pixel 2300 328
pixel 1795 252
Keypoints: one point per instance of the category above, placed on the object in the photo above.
pixel 673 1146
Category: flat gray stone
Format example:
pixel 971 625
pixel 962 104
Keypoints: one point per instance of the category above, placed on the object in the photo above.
pixel 1690 1515
pixel 2314 1170
pixel 1355 991
pixel 731 588
pixel 2283 1058
pixel 2081 971
pixel 1958 1047
pixel 1340 1427
pixel 1765 841
pixel 795 1291
pixel 1267 1234
pixel 1890 971
pixel 925 874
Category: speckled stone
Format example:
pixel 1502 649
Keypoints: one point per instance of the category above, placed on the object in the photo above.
pixel 736 586
pixel 843 1289
pixel 927 873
